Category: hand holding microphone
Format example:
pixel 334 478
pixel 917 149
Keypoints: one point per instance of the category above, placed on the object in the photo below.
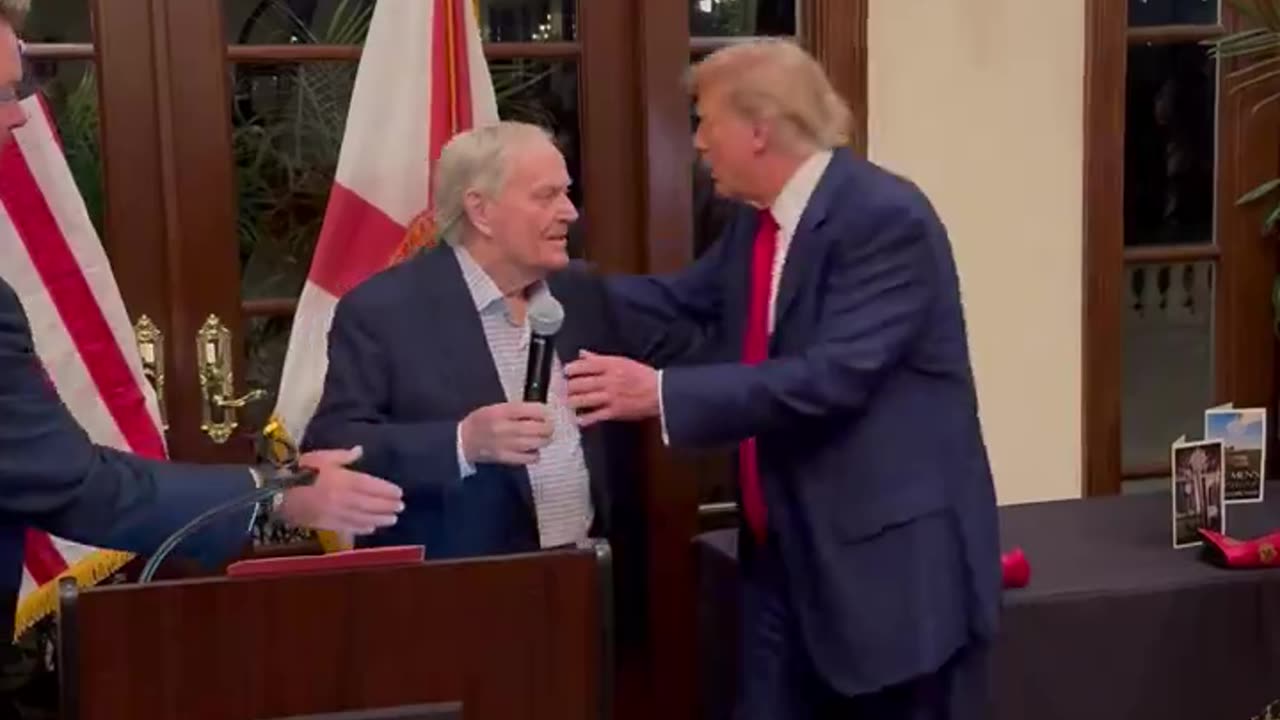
pixel 512 433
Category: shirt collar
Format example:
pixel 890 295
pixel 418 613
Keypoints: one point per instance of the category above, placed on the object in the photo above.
pixel 789 206
pixel 484 291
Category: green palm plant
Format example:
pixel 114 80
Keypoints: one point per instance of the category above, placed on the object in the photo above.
pixel 1256 52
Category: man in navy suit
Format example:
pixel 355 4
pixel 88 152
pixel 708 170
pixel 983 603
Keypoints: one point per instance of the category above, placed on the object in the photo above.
pixel 838 365
pixel 427 364
pixel 52 477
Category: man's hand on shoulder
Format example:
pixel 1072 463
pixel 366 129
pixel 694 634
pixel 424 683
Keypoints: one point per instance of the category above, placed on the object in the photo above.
pixel 608 387
pixel 506 433
pixel 341 499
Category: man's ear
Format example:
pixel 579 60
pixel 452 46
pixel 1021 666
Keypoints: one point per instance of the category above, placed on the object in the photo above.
pixel 762 132
pixel 477 206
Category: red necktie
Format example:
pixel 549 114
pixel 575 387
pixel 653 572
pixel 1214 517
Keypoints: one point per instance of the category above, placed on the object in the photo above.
pixel 755 349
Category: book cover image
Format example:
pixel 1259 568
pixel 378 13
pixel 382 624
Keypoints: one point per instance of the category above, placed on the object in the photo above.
pixel 1197 492
pixel 1243 433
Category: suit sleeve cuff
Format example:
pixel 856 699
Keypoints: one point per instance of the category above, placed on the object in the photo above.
pixel 465 469
pixel 662 414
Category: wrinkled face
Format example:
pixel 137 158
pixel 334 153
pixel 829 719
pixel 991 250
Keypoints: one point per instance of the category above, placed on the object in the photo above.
pixel 12 115
pixel 528 220
pixel 728 144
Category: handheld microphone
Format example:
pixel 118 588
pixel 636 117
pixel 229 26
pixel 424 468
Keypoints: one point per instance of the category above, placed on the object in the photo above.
pixel 270 487
pixel 546 315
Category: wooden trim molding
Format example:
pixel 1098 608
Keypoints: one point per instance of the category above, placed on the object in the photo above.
pixel 1170 253
pixel 1106 58
pixel 608 111
pixel 666 186
pixel 836 34
pixel 269 307
pixel 59 51
pixel 270 54
pixel 1173 34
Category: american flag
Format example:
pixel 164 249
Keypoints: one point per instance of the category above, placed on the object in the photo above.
pixel 51 255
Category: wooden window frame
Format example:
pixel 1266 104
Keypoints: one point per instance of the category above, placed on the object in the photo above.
pixel 1244 368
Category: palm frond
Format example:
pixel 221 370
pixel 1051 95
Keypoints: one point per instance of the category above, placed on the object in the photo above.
pixel 1251 68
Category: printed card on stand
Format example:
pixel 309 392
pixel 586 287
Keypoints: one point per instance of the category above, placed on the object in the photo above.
pixel 1243 433
pixel 1197 497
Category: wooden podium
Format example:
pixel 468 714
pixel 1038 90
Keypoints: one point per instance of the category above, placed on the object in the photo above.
pixel 502 638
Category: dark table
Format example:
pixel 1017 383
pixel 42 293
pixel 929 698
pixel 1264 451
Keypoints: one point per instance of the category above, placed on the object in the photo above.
pixel 1115 623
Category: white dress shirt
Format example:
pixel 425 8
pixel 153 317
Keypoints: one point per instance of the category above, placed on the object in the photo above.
pixel 787 210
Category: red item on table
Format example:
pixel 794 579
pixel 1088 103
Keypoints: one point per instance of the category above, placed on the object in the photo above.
pixel 1228 552
pixel 1015 571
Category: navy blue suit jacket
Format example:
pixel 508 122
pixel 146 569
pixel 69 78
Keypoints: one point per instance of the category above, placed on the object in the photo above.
pixel 408 360
pixel 53 478
pixel 872 461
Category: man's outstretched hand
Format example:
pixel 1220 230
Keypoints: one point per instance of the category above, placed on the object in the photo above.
pixel 341 499
pixel 608 387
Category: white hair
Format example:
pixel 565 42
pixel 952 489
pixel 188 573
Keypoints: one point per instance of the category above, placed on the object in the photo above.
pixel 475 160
pixel 14 11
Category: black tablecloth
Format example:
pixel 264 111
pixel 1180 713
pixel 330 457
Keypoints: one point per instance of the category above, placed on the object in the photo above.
pixel 1115 623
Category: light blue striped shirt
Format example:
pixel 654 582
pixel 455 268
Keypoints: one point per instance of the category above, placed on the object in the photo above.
pixel 560 483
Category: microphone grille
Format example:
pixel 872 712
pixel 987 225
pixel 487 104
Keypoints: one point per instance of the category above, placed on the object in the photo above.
pixel 546 315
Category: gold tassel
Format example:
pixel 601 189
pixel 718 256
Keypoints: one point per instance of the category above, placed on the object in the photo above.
pixel 90 570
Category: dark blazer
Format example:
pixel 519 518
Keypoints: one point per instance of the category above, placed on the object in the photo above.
pixel 873 465
pixel 54 479
pixel 408 360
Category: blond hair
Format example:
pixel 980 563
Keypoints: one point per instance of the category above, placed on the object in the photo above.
pixel 14 12
pixel 475 159
pixel 773 79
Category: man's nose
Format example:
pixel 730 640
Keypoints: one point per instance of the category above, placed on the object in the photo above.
pixel 569 212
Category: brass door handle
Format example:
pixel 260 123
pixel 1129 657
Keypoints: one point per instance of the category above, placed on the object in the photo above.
pixel 150 341
pixel 237 403
pixel 217 382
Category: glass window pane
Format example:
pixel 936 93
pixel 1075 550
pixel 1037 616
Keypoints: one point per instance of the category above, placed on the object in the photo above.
pixel 528 20
pixel 1170 145
pixel 742 18
pixel 288 120
pixel 546 94
pixel 58 21
pixel 1145 13
pixel 284 22
pixel 70 88
pixel 1168 357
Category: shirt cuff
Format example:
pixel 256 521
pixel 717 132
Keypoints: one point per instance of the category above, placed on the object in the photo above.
pixel 465 469
pixel 257 483
pixel 662 414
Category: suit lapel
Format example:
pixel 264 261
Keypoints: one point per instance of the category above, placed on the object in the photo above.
pixel 807 244
pixel 452 316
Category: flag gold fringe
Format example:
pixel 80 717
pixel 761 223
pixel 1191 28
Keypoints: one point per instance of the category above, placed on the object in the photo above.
pixel 89 570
